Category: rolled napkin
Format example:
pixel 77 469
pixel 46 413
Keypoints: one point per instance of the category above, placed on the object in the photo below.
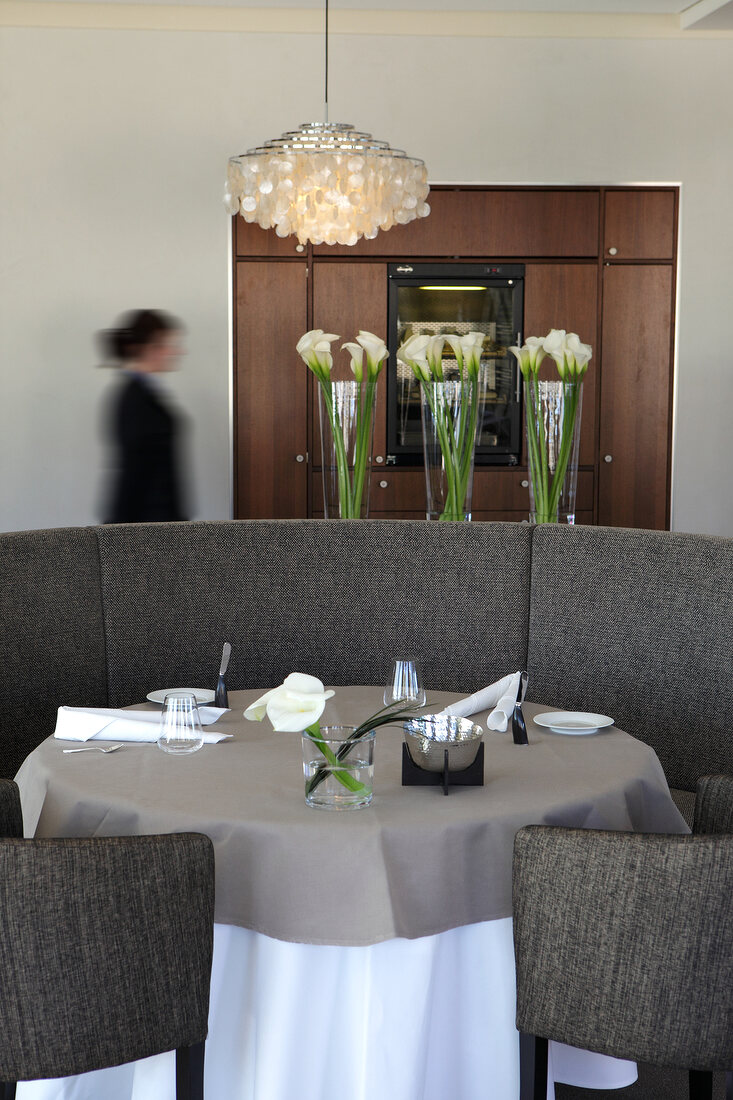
pixel 109 724
pixel 500 696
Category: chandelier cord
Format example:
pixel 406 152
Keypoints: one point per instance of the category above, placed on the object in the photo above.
pixel 326 66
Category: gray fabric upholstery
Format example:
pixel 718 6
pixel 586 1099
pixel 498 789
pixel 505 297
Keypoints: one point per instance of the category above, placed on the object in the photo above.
pixel 714 805
pixel 337 599
pixel 52 638
pixel 624 943
pixel 11 814
pixel 685 803
pixel 655 1083
pixel 105 955
pixel 638 625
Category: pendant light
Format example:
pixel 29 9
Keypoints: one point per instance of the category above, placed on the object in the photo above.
pixel 327 183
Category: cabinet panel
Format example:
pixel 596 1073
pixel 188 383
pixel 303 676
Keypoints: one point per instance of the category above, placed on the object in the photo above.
pixel 566 296
pixel 270 391
pixel 346 298
pixel 639 225
pixel 491 223
pixel 251 240
pixel 493 491
pixel 633 474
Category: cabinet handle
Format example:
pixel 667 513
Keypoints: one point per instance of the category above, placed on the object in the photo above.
pixel 300 248
pixel 612 251
pixel 383 484
pixel 608 458
pixel 300 458
pixel 379 459
pixel 524 483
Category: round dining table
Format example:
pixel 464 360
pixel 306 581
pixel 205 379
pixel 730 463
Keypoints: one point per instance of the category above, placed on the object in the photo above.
pixel 356 954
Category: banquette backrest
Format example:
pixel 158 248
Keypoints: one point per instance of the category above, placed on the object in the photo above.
pixel 634 624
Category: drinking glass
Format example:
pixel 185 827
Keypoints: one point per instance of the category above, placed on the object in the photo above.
pixel 180 723
pixel 404 684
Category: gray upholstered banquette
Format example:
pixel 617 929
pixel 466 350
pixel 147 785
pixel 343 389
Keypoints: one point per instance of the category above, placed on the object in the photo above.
pixel 635 624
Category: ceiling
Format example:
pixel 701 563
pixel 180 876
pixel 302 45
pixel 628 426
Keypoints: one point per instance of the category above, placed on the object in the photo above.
pixel 709 15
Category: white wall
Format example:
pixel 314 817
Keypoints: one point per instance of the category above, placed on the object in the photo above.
pixel 113 149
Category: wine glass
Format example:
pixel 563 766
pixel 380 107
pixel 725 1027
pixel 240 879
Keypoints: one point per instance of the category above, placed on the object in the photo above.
pixel 180 723
pixel 404 684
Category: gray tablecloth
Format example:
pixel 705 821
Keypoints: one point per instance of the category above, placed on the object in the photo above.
pixel 412 864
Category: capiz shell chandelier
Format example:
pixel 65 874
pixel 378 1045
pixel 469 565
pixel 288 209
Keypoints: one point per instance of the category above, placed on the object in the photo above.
pixel 327 183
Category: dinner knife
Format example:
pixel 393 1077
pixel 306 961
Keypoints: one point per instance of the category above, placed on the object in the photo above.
pixel 221 699
pixel 519 726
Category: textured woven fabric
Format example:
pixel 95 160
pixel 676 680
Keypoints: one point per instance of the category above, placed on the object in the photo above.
pixel 714 805
pixel 52 637
pixel 11 814
pixel 337 599
pixel 624 943
pixel 105 953
pixel 638 625
pixel 685 803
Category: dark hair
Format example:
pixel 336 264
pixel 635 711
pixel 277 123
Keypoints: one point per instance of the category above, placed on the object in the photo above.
pixel 134 331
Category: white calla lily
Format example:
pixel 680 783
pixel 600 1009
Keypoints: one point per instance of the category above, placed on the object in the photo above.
pixel 297 704
pixel 473 346
pixel 434 355
pixel 581 353
pixel 536 348
pixel 456 346
pixel 522 357
pixel 356 351
pixel 376 351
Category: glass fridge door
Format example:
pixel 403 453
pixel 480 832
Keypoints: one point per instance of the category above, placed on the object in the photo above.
pixel 430 301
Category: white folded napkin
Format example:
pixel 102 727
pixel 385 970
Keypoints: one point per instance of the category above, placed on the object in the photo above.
pixel 502 696
pixel 109 724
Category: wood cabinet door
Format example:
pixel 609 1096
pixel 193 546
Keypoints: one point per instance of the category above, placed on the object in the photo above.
pixel 251 239
pixel 566 296
pixel 635 409
pixel 639 225
pixel 492 223
pixel 348 297
pixel 270 389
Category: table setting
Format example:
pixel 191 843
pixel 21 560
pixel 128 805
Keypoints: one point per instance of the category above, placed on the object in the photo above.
pixel 393 913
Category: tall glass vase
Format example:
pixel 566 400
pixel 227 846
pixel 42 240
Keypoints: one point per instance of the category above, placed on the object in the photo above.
pixel 347 427
pixel 451 414
pixel 553 412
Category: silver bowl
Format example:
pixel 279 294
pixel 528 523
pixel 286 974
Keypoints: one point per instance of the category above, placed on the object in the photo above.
pixel 428 738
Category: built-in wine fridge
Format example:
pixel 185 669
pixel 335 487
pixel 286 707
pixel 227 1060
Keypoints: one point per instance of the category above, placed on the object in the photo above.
pixel 431 299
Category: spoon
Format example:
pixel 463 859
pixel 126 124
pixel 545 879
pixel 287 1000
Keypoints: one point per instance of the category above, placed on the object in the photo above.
pixel 96 748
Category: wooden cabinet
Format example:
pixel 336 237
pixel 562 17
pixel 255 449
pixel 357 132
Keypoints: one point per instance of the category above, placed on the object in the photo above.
pixel 491 222
pixel 640 224
pixel 566 296
pixel 634 468
pixel 270 391
pixel 598 261
pixel 346 298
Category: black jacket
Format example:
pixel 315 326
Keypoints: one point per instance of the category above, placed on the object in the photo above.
pixel 146 486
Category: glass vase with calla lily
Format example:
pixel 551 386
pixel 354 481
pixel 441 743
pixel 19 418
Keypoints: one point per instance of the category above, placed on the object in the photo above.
pixel 296 706
pixel 452 402
pixel 553 411
pixel 347 417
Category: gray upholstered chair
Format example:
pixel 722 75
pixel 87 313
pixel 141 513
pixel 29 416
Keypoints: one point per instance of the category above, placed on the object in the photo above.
pixel 105 955
pixel 714 804
pixel 11 815
pixel 624 946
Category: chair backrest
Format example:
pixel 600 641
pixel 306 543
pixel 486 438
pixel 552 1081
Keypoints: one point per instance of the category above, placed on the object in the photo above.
pixel 11 814
pixel 105 953
pixel 637 624
pixel 624 943
pixel 714 804
pixel 52 647
pixel 350 596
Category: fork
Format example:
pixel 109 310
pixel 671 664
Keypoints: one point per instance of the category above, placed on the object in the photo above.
pixel 96 748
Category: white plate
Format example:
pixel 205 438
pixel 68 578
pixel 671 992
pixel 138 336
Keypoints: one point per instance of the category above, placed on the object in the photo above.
pixel 203 695
pixel 573 721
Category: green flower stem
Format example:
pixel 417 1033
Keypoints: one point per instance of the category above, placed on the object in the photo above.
pixel 344 777
pixel 444 438
pixel 363 441
pixel 570 411
pixel 342 465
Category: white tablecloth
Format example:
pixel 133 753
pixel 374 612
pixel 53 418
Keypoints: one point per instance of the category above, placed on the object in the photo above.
pixel 425 1019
